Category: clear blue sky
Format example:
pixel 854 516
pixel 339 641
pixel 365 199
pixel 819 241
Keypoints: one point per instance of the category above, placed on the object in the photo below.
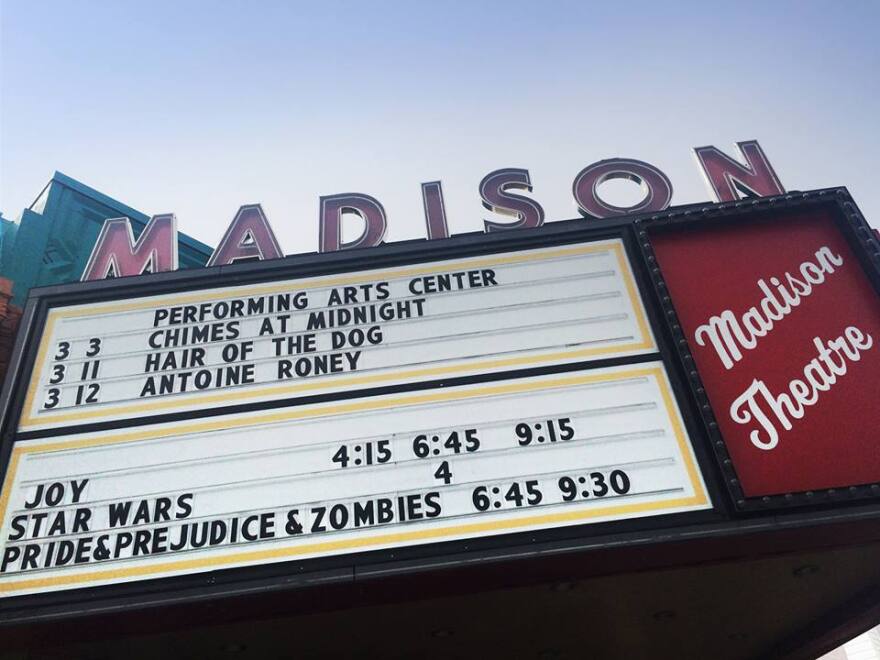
pixel 198 107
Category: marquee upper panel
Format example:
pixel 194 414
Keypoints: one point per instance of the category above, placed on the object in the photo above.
pixel 225 346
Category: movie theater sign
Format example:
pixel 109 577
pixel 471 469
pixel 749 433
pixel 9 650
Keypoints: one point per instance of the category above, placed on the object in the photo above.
pixel 782 319
pixel 257 343
pixel 481 392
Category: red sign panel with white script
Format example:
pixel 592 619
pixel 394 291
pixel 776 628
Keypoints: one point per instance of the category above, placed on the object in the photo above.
pixel 784 327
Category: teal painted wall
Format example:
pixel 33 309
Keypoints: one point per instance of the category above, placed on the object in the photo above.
pixel 55 235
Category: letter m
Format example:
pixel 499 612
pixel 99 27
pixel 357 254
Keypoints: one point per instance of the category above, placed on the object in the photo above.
pixel 117 254
pixel 721 330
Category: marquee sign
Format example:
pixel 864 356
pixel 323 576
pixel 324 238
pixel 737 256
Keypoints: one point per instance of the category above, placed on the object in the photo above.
pixel 416 401
pixel 288 417
pixel 783 323
pixel 385 472
pixel 249 236
pixel 222 346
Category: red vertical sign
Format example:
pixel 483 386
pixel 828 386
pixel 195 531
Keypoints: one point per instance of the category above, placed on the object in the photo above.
pixel 784 327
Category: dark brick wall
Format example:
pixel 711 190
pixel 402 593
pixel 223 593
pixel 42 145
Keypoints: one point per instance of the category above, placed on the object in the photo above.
pixel 10 315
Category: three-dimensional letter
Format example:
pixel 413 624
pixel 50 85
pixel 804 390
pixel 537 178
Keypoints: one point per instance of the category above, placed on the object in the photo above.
pixel 654 183
pixel 729 180
pixel 435 210
pixel 330 221
pixel 116 254
pixel 493 192
pixel 249 236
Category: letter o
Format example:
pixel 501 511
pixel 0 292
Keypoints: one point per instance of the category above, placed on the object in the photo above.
pixel 654 183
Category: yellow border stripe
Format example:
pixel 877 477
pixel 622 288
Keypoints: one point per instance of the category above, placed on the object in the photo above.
pixel 323 410
pixel 357 380
pixel 287 414
pixel 698 499
pixel 338 280
pixel 330 546
pixel 11 470
pixel 647 342
pixel 683 445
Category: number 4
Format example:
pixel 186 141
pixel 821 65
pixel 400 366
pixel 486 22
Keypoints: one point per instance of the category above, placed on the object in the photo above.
pixel 444 473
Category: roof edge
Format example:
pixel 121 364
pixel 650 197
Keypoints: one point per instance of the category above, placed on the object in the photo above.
pixel 124 209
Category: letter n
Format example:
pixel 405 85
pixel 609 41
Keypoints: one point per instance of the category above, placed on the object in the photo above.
pixel 116 254
pixel 729 180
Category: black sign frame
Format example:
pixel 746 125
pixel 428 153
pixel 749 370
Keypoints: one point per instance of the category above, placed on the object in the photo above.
pixel 865 244
pixel 718 521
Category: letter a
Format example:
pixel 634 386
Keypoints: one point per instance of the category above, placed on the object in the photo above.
pixel 249 236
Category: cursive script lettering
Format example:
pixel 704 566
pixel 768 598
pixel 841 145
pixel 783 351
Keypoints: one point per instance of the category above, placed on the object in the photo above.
pixel 730 335
pixel 758 404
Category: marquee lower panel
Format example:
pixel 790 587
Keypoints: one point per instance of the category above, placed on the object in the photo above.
pixel 380 472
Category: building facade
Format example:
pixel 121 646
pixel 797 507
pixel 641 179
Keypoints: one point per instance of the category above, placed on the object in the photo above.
pixel 321 546
pixel 54 236
pixel 51 243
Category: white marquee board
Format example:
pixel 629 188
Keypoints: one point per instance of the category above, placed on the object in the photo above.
pixel 186 351
pixel 346 476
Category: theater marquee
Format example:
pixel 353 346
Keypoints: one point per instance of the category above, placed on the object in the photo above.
pixel 384 472
pixel 223 346
pixel 783 321
pixel 433 401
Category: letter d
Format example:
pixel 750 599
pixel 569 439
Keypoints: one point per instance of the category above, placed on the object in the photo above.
pixel 330 221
